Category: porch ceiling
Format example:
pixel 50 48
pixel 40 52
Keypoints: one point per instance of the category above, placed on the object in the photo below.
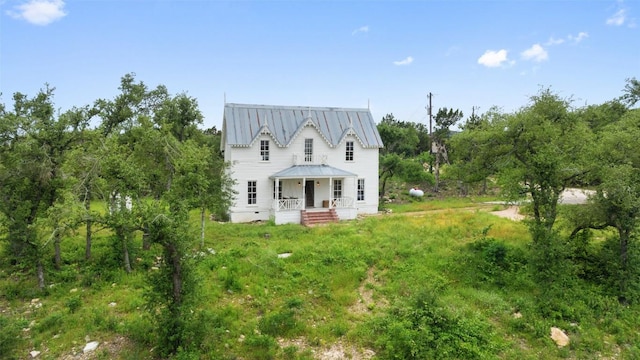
pixel 314 171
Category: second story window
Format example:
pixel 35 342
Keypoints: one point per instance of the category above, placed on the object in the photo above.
pixel 308 150
pixel 349 151
pixel 264 150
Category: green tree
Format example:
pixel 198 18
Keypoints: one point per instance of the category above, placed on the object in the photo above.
pixel 180 115
pixel 632 92
pixel 599 116
pixel 390 165
pixel 173 287
pixel 476 150
pixel 407 139
pixel 134 102
pixel 34 144
pixel 616 203
pixel 84 164
pixel 548 151
pixel 202 181
pixel 137 158
pixel 445 118
pixel 124 184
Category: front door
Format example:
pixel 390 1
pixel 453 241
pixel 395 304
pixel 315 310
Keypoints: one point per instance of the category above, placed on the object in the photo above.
pixel 308 189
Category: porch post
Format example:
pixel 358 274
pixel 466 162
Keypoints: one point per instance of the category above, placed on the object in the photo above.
pixel 330 191
pixel 304 192
pixel 355 192
pixel 276 195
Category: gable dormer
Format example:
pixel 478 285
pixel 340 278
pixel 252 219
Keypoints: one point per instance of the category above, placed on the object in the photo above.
pixel 243 124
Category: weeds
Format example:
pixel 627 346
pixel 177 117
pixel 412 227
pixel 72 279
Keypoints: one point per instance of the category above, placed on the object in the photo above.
pixel 447 279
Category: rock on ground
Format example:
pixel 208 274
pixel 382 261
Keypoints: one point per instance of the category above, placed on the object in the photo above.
pixel 559 337
pixel 91 346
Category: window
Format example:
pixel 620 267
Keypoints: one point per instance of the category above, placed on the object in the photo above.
pixel 349 152
pixel 308 150
pixel 360 189
pixel 252 192
pixel 264 150
pixel 277 192
pixel 337 189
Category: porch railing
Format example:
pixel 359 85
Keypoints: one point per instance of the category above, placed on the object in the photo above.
pixel 288 204
pixel 343 202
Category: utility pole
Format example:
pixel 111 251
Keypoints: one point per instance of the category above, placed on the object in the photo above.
pixel 430 112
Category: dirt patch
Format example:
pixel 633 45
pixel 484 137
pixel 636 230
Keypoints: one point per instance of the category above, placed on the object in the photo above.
pixel 366 302
pixel 340 350
pixel 512 213
pixel 106 349
pixel 337 351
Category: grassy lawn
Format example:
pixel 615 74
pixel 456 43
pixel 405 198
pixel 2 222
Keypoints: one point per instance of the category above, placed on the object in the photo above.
pixel 349 288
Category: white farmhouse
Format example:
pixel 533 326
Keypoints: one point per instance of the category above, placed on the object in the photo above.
pixel 297 164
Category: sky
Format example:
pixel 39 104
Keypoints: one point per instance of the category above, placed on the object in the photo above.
pixel 384 55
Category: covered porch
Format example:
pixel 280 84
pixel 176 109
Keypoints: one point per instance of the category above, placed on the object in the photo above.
pixel 309 188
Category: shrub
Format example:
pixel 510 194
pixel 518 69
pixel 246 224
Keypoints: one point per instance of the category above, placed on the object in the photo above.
pixel 262 347
pixel 423 329
pixel 280 323
pixel 9 337
pixel 73 303
pixel 140 329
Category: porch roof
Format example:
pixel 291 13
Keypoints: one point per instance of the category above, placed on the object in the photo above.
pixel 315 171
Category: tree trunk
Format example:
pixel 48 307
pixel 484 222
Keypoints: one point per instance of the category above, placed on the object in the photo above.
pixel 437 170
pixel 40 273
pixel 202 223
pixel 383 188
pixel 56 246
pixel 87 247
pixel 125 253
pixel 146 244
pixel 89 223
pixel 624 263
pixel 176 273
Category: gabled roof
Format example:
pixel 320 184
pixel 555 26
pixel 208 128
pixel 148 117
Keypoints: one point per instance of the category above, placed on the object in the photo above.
pixel 317 171
pixel 243 124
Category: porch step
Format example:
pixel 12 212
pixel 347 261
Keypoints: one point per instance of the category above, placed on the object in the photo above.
pixel 309 218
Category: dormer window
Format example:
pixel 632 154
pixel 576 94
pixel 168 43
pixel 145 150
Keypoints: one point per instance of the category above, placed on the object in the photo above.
pixel 349 151
pixel 308 150
pixel 264 150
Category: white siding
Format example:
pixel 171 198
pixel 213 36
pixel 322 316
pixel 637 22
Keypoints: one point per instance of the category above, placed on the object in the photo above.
pixel 246 165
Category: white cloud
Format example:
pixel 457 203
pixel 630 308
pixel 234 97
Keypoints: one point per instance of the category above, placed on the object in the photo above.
pixel 554 41
pixel 406 61
pixel 581 36
pixel 361 29
pixel 535 53
pixel 618 18
pixel 492 58
pixel 39 12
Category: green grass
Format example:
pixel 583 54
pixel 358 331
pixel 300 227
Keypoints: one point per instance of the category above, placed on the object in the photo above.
pixel 250 302
pixel 432 203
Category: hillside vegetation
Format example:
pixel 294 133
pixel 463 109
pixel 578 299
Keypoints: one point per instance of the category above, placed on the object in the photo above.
pixel 108 249
pixel 444 283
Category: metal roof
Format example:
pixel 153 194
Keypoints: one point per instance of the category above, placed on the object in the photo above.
pixel 317 171
pixel 243 123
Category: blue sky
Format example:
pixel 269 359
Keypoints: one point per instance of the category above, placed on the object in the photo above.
pixel 384 54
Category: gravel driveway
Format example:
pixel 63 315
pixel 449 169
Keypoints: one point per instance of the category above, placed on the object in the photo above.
pixel 569 196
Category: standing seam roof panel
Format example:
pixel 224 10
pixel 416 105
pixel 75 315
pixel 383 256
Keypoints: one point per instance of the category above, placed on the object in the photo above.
pixel 285 121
